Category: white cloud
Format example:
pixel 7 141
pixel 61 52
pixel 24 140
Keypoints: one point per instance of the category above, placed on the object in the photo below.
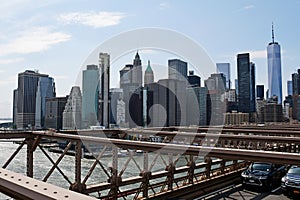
pixel 33 40
pixel 248 7
pixel 258 54
pixel 164 5
pixel 96 20
pixel 9 61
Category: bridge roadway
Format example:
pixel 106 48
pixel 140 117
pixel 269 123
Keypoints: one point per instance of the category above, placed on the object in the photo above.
pixel 197 164
pixel 237 192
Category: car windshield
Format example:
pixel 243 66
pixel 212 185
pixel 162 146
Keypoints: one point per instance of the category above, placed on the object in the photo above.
pixel 294 170
pixel 261 166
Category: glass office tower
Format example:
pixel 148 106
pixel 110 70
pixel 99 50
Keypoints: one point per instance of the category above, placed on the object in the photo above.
pixel 274 69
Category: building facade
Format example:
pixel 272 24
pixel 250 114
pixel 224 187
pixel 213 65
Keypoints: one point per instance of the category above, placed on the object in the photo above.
pixel 194 80
pixel 166 103
pixel 260 91
pixel 224 68
pixel 90 96
pixel 131 83
pixel 177 69
pixel 73 110
pixel 54 112
pixel 216 104
pixel 196 100
pixel 148 76
pixel 246 84
pixel 104 100
pixel 30 97
pixel 274 69
pixel 296 83
pixel 289 87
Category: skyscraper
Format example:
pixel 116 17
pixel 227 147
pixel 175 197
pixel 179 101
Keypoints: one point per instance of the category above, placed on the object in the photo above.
pixel 166 103
pixel 296 83
pixel 54 112
pixel 116 95
pixel 246 83
pixel 104 108
pixel 177 69
pixel 90 95
pixel 274 69
pixel 131 83
pixel 137 73
pixel 148 76
pixel 72 112
pixel 289 87
pixel 224 68
pixel 260 92
pixel 33 89
pixel 194 80
pixel 216 106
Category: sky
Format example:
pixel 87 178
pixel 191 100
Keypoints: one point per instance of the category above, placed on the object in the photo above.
pixel 56 37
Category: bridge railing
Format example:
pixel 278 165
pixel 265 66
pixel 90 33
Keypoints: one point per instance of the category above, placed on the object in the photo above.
pixel 160 169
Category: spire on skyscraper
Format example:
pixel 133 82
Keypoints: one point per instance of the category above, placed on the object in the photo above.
pixel 137 61
pixel 148 76
pixel 149 69
pixel 272 32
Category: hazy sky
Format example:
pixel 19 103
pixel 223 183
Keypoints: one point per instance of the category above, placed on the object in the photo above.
pixel 56 36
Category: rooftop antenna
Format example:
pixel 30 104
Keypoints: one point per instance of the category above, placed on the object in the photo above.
pixel 272 32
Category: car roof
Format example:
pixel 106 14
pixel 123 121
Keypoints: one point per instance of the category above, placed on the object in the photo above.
pixel 265 163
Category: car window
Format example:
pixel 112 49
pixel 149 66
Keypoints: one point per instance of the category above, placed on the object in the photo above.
pixel 261 166
pixel 294 170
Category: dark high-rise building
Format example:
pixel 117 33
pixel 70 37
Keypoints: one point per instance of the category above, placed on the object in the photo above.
pixel 246 84
pixel 194 80
pixel 216 106
pixel 260 92
pixel 15 107
pixel 177 69
pixel 54 112
pixel 104 100
pixel 166 103
pixel 30 97
pixel 224 68
pixel 289 87
pixel 135 107
pixel 296 82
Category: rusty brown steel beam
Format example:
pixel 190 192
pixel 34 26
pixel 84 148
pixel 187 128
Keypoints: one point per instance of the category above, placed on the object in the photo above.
pixel 278 139
pixel 22 187
pixel 14 135
pixel 192 132
pixel 232 154
pixel 221 136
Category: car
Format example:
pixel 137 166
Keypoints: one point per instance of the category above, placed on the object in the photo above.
pixel 290 183
pixel 263 174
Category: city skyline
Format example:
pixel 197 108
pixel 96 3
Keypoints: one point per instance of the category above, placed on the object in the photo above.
pixel 56 39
